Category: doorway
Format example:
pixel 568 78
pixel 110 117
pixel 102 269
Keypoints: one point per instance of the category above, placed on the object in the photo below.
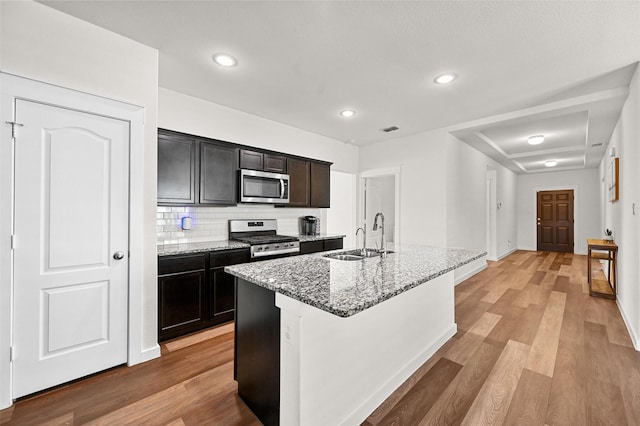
pixel 555 221
pixel 380 193
pixel 90 140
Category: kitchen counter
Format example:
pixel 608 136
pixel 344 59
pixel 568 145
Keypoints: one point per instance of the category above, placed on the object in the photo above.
pixel 319 237
pixel 345 288
pixel 190 248
pixel 205 246
pixel 322 341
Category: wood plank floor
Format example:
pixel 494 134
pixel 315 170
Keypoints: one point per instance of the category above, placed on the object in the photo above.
pixel 532 348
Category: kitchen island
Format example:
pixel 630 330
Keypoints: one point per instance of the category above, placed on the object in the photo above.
pixel 325 341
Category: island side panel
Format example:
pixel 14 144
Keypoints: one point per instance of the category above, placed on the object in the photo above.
pixel 338 370
pixel 257 350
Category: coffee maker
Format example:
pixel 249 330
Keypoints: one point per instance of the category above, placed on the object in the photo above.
pixel 310 225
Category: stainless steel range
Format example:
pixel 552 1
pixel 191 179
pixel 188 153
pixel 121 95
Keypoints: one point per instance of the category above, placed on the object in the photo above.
pixel 262 236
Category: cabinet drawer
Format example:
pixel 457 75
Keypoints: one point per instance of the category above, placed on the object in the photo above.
pixel 177 264
pixel 228 257
pixel 311 247
pixel 333 244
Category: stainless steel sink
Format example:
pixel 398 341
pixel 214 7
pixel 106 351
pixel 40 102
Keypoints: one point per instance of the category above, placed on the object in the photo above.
pixel 339 256
pixel 355 254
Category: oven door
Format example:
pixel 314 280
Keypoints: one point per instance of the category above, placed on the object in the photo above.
pixel 263 187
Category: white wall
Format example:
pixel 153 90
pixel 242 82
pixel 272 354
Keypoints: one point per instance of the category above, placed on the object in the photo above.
pixel 586 210
pixel 619 216
pixel 423 208
pixel 188 114
pixel 466 199
pixel 341 217
pixel 443 190
pixel 43 44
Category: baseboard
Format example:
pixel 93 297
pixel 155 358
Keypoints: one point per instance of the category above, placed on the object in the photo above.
pixel 502 256
pixel 469 270
pixel 146 355
pixel 363 411
pixel 634 336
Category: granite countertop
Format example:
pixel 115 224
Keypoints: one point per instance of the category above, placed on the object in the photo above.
pixel 345 288
pixel 203 247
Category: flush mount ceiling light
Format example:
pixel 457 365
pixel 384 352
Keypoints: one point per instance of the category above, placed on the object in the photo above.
pixel 445 78
pixel 225 60
pixel 536 139
pixel 347 113
pixel 551 163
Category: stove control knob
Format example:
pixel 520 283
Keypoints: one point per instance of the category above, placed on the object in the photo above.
pixel 277 247
pixel 258 248
pixel 266 248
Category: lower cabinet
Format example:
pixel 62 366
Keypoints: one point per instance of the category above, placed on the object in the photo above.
pixel 194 292
pixel 308 247
pixel 182 295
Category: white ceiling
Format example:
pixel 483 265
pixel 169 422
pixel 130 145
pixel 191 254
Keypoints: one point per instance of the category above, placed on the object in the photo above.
pixel 558 68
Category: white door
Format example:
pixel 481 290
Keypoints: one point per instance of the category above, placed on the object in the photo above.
pixel 71 228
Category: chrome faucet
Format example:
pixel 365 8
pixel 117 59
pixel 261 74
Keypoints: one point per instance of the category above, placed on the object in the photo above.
pixel 375 228
pixel 364 239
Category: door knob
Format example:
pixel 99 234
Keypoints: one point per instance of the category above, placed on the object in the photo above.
pixel 118 255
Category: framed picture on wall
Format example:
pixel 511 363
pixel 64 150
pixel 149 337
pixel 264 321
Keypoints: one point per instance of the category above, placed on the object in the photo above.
pixel 613 175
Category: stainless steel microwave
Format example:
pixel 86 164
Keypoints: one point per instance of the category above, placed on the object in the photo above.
pixel 263 187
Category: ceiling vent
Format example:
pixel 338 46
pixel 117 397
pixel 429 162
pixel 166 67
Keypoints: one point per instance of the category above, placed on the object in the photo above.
pixel 390 129
pixel 593 145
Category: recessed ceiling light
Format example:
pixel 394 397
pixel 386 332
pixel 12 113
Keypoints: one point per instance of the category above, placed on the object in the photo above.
pixel 551 163
pixel 347 113
pixel 225 60
pixel 445 78
pixel 536 139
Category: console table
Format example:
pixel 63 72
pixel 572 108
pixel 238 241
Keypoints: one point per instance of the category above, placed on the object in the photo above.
pixel 602 250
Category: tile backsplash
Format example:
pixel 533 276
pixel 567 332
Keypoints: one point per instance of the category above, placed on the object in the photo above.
pixel 212 223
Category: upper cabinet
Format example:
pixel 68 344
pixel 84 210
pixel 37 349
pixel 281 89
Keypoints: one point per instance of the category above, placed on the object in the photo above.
pixel 176 169
pixel 218 177
pixel 309 183
pixel 255 160
pixel 299 178
pixel 197 171
pixel 320 186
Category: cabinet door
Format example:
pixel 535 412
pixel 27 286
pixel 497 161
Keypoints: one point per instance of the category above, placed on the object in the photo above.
pixel 223 301
pixel 182 304
pixel 251 160
pixel 320 185
pixel 275 163
pixel 176 169
pixel 333 244
pixel 299 173
pixel 308 247
pixel 218 174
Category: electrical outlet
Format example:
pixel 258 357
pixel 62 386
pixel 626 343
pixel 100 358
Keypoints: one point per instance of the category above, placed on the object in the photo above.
pixel 508 243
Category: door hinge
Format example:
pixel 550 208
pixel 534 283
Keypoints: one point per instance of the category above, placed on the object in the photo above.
pixel 13 242
pixel 13 127
pixel 12 353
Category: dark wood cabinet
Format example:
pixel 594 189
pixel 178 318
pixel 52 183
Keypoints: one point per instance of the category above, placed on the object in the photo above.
pixel 222 284
pixel 176 169
pixel 299 175
pixel 218 177
pixel 320 185
pixel 182 296
pixel 194 292
pixel 309 183
pixel 308 247
pixel 275 163
pixel 256 160
pixel 252 160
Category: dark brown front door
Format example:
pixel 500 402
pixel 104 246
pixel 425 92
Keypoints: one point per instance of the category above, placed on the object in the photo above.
pixel 555 221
